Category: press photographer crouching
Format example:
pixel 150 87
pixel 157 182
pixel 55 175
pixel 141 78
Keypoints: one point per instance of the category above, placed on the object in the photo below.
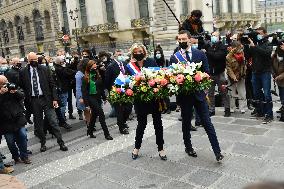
pixel 13 120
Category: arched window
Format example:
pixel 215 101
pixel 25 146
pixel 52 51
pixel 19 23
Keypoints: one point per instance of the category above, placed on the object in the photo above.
pixel 47 20
pixel 65 16
pixel 143 8
pixel 84 17
pixel 184 7
pixel 38 25
pixel 28 25
pixel 19 28
pixel 110 11
pixel 11 28
pixel 4 30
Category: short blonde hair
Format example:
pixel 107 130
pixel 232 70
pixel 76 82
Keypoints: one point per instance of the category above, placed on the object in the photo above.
pixel 138 45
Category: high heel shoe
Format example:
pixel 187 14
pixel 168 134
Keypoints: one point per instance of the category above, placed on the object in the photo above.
pixel 164 157
pixel 134 156
pixel 90 132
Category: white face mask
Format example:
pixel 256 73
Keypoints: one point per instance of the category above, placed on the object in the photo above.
pixel 158 56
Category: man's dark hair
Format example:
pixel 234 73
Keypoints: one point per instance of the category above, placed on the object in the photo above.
pixel 185 32
pixel 196 13
pixel 103 53
pixel 262 29
pixel 87 51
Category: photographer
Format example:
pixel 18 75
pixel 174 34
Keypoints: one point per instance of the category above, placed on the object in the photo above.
pixel 193 24
pixel 261 75
pixel 13 120
pixel 278 74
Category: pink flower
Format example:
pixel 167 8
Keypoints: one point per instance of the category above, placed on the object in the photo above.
pixel 156 90
pixel 180 79
pixel 137 77
pixel 118 90
pixel 151 83
pixel 164 82
pixel 206 75
pixel 198 77
pixel 157 80
pixel 129 92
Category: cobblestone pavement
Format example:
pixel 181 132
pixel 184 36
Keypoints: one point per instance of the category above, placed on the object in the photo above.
pixel 253 152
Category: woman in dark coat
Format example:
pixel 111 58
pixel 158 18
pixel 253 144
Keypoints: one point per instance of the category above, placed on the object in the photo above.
pixel 140 59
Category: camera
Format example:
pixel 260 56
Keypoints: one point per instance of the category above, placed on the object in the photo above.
pixel 11 86
pixel 252 34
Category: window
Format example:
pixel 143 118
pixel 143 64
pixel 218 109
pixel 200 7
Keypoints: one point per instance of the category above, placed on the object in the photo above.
pixel 184 7
pixel 19 28
pixel 218 7
pixel 38 25
pixel 28 25
pixel 230 6
pixel 11 28
pixel 110 11
pixel 143 8
pixel 240 6
pixel 84 17
pixel 5 34
pixel 65 16
pixel 47 20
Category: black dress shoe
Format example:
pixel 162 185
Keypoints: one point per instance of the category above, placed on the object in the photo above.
pixel 42 148
pixel 81 117
pixel 191 152
pixel 126 126
pixel 219 157
pixel 193 128
pixel 180 118
pixel 90 132
pixel 71 116
pixel 124 131
pixel 65 126
pixel 164 158
pixel 63 147
pixel 134 156
pixel 108 137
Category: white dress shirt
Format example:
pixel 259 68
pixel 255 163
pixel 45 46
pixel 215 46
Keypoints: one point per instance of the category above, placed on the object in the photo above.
pixel 184 54
pixel 38 83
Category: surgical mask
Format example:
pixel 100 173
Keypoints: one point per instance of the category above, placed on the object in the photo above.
pixel 33 63
pixel 259 37
pixel 121 58
pixel 214 39
pixel 4 68
pixel 138 57
pixel 194 46
pixel 158 56
pixel 183 45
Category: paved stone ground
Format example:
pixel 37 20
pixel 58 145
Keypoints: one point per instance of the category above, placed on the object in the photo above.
pixel 252 152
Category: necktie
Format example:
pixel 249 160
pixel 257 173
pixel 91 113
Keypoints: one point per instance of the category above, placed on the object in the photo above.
pixel 121 68
pixel 187 56
pixel 35 84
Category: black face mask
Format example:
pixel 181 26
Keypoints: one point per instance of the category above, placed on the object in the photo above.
pixel 138 57
pixel 33 63
pixel 183 45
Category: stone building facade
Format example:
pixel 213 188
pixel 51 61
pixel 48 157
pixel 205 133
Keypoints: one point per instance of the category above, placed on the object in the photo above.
pixel 28 25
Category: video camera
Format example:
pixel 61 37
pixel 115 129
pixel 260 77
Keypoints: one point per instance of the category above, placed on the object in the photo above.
pixel 252 34
pixel 10 86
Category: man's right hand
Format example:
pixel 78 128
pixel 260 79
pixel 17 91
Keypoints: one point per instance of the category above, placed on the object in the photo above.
pixel 3 90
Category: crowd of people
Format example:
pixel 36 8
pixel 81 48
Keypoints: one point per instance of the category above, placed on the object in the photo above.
pixel 44 87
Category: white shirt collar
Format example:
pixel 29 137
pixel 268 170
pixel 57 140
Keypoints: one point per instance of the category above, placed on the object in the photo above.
pixel 189 50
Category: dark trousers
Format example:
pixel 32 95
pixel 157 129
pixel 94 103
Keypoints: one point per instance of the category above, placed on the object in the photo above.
pixel 28 111
pixel 122 114
pixel 249 87
pixel 97 111
pixel 158 126
pixel 201 108
pixel 40 106
pixel 18 137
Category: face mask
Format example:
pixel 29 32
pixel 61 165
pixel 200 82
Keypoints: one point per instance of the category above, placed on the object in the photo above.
pixel 121 58
pixel 4 68
pixel 84 56
pixel 214 39
pixel 259 37
pixel 183 45
pixel 138 57
pixel 19 65
pixel 158 56
pixel 194 46
pixel 33 63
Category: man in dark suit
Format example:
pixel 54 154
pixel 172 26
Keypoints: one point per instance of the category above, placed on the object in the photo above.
pixel 116 67
pixel 40 92
pixel 196 100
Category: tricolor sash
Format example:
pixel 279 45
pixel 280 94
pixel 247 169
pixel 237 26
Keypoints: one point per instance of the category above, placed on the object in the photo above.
pixel 180 57
pixel 133 68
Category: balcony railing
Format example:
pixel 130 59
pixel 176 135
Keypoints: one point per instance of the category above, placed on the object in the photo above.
pixel 237 17
pixel 101 28
pixel 140 23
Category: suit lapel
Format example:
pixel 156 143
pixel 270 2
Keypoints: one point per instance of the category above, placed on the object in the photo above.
pixel 28 78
